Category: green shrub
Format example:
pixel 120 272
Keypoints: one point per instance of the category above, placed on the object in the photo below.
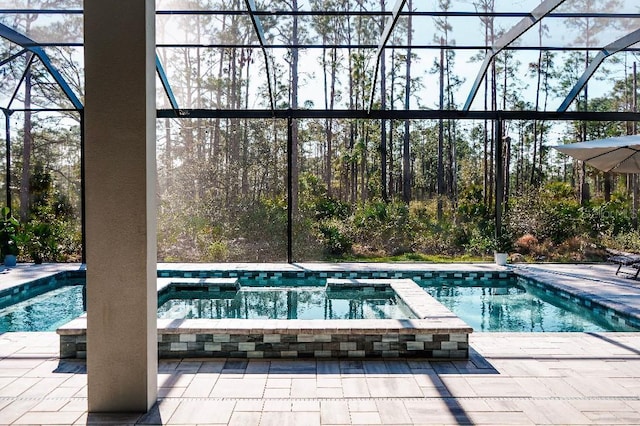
pixel 471 206
pixel 314 201
pixel 9 230
pixel 385 226
pixel 625 241
pixel 613 216
pixel 48 239
pixel 329 208
pixel 546 214
pixel 479 244
pixel 335 240
pixel 217 251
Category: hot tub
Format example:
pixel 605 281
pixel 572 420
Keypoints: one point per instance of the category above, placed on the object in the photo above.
pixel 428 330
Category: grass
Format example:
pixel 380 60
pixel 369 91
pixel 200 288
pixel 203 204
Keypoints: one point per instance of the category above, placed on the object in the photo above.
pixel 412 257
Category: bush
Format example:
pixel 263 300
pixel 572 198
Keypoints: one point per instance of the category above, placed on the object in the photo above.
pixel 334 239
pixel 546 214
pixel 315 202
pixel 9 238
pixel 526 244
pixel 47 239
pixel 378 225
pixel 613 216
pixel 471 208
pixel 627 241
pixel 479 244
pixel 218 251
pixel 263 227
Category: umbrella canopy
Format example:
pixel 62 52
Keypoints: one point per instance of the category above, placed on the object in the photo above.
pixel 619 154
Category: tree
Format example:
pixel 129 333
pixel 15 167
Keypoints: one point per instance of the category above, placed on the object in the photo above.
pixel 449 83
pixel 406 151
pixel 48 142
pixel 587 34
pixel 487 7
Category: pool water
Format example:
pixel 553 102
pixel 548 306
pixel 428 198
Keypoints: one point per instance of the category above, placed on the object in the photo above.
pixel 487 306
pixel 512 305
pixel 297 302
pixel 44 312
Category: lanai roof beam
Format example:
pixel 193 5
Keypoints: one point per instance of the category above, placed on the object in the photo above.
pixel 165 83
pixel 29 45
pixel 25 42
pixel 614 47
pixel 257 25
pixel 507 38
pixel 12 57
pixel 386 33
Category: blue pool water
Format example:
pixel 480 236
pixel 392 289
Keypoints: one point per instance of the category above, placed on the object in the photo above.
pixel 504 305
pixel 44 312
pixel 297 302
pixel 514 305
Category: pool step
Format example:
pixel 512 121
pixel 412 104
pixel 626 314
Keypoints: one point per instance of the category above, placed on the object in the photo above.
pixel 198 284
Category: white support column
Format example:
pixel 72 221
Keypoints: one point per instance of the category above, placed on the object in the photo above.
pixel 122 360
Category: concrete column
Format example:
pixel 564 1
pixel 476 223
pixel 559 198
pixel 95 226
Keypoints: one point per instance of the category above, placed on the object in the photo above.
pixel 122 358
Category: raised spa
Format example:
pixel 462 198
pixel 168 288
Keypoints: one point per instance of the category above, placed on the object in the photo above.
pixel 376 318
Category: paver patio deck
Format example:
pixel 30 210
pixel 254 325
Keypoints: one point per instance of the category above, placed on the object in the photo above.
pixel 511 378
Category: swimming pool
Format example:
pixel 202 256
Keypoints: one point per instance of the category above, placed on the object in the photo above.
pixel 436 333
pixel 43 312
pixel 515 305
pixel 496 305
pixel 47 311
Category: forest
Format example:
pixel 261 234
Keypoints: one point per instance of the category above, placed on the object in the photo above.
pixel 362 189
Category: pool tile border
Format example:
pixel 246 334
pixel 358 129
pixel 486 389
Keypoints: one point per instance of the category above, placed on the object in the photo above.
pixel 270 276
pixel 15 294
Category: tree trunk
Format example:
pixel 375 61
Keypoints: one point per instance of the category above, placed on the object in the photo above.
pixel 363 164
pixel 406 154
pixel 168 153
pixel 452 127
pixel 440 167
pixel 245 130
pixel 390 143
pixel 294 105
pixel 485 161
pixel 383 106
pixel 383 150
pixel 584 186
pixel 506 153
pixel 234 158
pixel 537 105
pixel 27 146
pixel 494 107
pixel 327 130
pixel 349 167
pixel 334 60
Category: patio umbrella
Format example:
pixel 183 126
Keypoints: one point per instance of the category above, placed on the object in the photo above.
pixel 620 154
